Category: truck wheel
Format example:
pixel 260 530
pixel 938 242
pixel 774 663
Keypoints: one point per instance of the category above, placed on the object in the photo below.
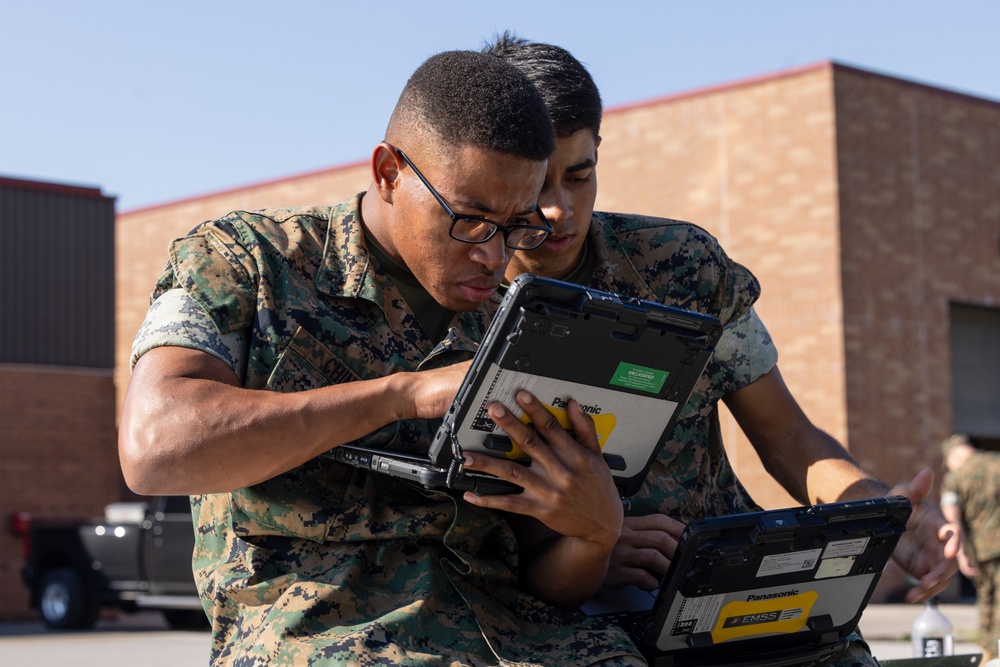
pixel 186 619
pixel 65 602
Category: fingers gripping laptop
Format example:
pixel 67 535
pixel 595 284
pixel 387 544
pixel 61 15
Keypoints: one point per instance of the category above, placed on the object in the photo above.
pixel 630 363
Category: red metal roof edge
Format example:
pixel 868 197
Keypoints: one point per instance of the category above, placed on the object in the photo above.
pixel 915 84
pixel 248 186
pixel 731 85
pixel 795 71
pixel 53 188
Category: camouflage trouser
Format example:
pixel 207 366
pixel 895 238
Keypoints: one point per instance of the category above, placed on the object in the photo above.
pixel 857 654
pixel 622 661
pixel 987 587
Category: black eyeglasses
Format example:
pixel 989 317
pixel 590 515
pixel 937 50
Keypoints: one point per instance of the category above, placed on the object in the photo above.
pixel 475 229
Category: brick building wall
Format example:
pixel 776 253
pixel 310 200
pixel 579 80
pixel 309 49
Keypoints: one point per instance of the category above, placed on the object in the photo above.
pixel 57 436
pixel 755 164
pixel 848 194
pixel 920 225
pixel 58 453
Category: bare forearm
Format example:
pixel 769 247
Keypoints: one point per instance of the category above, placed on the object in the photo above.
pixel 569 572
pixel 832 478
pixel 196 432
pixel 953 515
pixel 822 471
pixel 809 463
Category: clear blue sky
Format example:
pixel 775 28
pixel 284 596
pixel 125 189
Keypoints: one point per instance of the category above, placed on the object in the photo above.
pixel 157 101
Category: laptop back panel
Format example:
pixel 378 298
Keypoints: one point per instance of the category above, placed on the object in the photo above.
pixel 773 583
pixel 631 364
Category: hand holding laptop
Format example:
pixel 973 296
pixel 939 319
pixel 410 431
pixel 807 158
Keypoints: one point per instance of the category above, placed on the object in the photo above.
pixel 568 487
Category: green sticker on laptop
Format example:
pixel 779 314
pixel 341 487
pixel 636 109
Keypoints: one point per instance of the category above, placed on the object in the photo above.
pixel 640 378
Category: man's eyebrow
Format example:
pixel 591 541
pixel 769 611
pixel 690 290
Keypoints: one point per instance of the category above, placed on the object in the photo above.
pixel 589 163
pixel 483 210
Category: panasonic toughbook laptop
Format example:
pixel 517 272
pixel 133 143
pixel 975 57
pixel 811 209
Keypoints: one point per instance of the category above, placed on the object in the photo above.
pixel 630 363
pixel 776 587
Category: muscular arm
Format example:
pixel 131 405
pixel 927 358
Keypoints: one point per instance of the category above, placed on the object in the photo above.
pixel 808 463
pixel 187 427
pixel 966 564
pixel 815 468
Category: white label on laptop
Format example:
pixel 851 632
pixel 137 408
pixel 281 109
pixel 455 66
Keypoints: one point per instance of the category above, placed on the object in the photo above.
pixel 628 425
pixel 696 614
pixel 835 567
pixel 796 561
pixel 846 547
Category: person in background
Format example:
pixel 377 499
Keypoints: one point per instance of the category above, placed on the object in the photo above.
pixel 680 264
pixel 274 336
pixel 970 498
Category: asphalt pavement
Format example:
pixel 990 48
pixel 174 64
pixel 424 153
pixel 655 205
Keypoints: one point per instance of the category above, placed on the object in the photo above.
pixel 118 640
pixel 145 639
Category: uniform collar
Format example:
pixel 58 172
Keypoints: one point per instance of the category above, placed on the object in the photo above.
pixel 613 271
pixel 347 270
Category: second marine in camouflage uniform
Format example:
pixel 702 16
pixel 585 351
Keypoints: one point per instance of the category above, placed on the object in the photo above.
pixel 680 264
pixel 973 488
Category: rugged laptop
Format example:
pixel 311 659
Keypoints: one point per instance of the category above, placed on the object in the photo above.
pixel 777 587
pixel 630 363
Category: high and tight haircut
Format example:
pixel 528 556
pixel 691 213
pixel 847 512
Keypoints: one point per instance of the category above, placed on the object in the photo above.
pixel 569 91
pixel 478 99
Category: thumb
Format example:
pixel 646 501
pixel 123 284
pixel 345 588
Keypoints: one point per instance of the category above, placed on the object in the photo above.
pixel 918 489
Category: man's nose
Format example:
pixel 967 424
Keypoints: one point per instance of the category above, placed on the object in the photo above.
pixel 492 254
pixel 555 205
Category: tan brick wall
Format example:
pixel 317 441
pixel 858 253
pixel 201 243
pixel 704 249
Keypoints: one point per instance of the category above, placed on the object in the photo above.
pixel 810 184
pixel 755 165
pixel 921 224
pixel 59 456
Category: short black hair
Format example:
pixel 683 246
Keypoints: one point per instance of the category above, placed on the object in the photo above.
pixel 470 97
pixel 569 91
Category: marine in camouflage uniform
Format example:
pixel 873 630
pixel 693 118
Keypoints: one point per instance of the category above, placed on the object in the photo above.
pixel 327 564
pixel 680 264
pixel 661 260
pixel 973 488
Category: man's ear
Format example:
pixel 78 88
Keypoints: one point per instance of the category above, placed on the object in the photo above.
pixel 386 164
pixel 597 144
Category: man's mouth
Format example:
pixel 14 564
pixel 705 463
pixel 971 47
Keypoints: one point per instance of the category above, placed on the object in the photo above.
pixel 558 242
pixel 479 290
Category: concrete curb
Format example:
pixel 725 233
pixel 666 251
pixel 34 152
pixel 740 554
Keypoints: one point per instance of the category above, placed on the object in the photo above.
pixel 895 621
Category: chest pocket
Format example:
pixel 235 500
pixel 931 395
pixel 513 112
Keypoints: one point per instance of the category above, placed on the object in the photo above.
pixel 308 364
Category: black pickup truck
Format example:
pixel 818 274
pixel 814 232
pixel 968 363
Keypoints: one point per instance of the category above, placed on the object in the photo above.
pixel 137 557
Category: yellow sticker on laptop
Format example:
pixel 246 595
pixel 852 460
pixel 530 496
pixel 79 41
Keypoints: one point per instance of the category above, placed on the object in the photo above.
pixel 774 615
pixel 604 423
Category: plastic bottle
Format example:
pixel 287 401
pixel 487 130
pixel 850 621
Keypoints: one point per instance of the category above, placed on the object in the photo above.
pixel 932 633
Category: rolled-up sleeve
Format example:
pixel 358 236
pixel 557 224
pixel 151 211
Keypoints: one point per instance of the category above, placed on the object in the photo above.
pixel 745 350
pixel 175 319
